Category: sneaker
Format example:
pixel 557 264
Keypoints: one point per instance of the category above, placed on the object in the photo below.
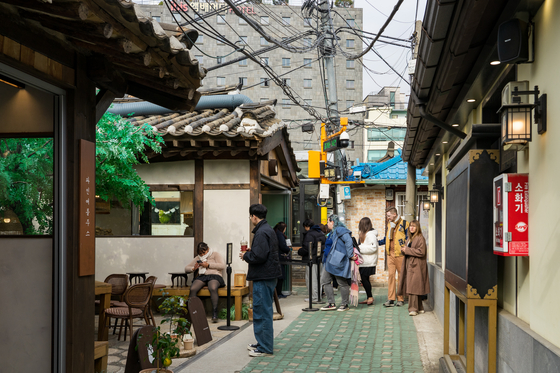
pixel 252 346
pixel 412 313
pixel 256 353
pixel 421 311
pixel 400 304
pixel 329 307
pixel 343 308
pixel 389 303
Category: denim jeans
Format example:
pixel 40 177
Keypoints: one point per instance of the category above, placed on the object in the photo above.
pixel 263 293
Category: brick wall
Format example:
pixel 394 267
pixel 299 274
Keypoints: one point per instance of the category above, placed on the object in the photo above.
pixel 371 203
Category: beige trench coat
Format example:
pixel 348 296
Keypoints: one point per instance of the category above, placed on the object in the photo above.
pixel 414 272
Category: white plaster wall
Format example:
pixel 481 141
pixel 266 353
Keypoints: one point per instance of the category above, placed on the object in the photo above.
pixel 541 160
pixel 26 310
pixel 156 255
pixel 181 172
pixel 226 219
pixel 227 172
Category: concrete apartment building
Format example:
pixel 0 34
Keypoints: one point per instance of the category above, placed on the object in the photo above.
pixel 385 121
pixel 279 21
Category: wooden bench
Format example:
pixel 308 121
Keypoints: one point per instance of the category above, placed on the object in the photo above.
pixel 100 356
pixel 236 292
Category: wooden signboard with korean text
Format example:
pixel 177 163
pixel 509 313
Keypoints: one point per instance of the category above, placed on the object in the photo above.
pixel 86 218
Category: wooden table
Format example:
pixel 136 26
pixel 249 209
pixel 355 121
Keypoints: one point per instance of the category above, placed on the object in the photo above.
pixel 104 291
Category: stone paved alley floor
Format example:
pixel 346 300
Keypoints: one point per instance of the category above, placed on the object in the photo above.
pixel 363 339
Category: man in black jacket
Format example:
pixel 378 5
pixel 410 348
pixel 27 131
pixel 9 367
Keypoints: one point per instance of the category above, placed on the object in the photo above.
pixel 313 235
pixel 264 270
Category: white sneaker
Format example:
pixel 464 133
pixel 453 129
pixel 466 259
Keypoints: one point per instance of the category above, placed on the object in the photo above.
pixel 412 313
pixel 421 311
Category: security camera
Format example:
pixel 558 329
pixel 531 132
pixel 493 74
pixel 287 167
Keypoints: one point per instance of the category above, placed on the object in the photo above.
pixel 344 139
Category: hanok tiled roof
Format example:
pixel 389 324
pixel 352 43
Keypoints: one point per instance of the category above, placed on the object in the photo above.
pixel 127 51
pixel 247 121
pixel 251 131
pixel 392 171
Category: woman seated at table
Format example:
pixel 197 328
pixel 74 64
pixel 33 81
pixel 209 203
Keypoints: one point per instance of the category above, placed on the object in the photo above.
pixel 210 265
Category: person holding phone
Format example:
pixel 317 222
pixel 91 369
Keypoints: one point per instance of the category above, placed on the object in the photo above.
pixel 210 265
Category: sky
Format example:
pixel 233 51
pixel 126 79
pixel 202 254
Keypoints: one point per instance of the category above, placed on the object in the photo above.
pixel 402 26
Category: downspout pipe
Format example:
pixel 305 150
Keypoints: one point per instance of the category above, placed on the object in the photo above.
pixel 229 102
pixel 441 124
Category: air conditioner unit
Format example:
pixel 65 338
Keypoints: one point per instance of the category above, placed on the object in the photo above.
pixel 507 99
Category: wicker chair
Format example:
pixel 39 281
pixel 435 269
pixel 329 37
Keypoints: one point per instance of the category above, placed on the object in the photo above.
pixel 136 297
pixel 119 284
pixel 152 279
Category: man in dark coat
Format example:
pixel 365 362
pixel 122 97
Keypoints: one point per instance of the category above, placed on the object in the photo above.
pixel 313 236
pixel 264 270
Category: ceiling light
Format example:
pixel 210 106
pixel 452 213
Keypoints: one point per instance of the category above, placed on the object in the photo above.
pixel 431 164
pixel 444 142
pixel 11 82
pixel 471 100
pixel 455 125
pixel 437 154
pixel 494 63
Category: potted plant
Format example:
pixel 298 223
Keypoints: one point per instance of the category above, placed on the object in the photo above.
pixel 183 330
pixel 162 348
pixel 173 308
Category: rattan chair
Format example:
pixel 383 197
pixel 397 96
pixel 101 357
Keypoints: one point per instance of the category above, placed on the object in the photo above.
pixel 136 297
pixel 119 284
pixel 152 279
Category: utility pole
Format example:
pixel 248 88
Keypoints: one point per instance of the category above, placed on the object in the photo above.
pixel 328 51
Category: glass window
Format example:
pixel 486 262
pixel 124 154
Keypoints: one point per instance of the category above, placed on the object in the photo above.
pixel 243 62
pixel 243 40
pixel 350 64
pixel 326 83
pixel 171 216
pixel 243 80
pixel 265 20
pixel 285 62
pixel 220 60
pixel 286 103
pixel 349 103
pixel 392 99
pixel 200 59
pixel 350 84
pixel 307 42
pixel 242 21
pixel 307 62
pixel 287 82
pixel 157 18
pixel 351 22
pixel 386 134
pixel 26 186
pixel 221 80
pixel 221 19
pixel 307 22
pixel 264 41
pixel 306 83
pixel 394 116
pixel 286 21
pixel 375 155
pixel 200 39
pixel 263 99
pixel 349 43
pixel 308 101
pixel 265 82
pixel 265 60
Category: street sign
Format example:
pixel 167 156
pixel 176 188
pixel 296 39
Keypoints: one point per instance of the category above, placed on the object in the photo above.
pixel 332 144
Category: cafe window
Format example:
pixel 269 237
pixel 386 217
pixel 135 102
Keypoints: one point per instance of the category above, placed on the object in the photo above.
pixel 172 215
pixel 26 186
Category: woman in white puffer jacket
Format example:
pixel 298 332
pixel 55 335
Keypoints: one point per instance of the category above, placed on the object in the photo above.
pixel 368 249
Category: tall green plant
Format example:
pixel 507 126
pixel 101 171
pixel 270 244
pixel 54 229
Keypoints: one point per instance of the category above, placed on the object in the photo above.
pixel 27 171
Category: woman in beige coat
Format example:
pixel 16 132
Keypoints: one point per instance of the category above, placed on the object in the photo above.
pixel 210 265
pixel 414 281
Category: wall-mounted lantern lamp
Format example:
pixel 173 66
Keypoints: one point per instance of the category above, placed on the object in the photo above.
pixel 426 205
pixel 517 120
pixel 436 194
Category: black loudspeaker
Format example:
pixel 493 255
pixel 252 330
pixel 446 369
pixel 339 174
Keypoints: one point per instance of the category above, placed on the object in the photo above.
pixel 513 42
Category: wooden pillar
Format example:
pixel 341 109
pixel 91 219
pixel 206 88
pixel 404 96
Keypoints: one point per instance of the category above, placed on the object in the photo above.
pixel 471 309
pixel 461 347
pixel 80 291
pixel 198 202
pixel 255 183
pixel 446 296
